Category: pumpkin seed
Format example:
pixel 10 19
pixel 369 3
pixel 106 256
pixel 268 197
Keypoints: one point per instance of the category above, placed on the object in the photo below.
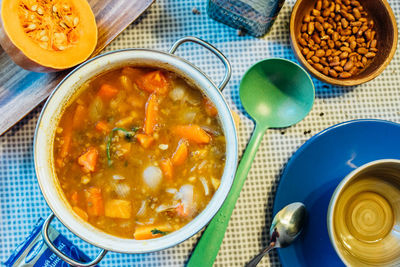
pixel 34 8
pixel 59 37
pixel 31 27
pixel 44 45
pixel 63 24
pixel 76 21
pixel 68 21
pixel 40 11
pixel 44 38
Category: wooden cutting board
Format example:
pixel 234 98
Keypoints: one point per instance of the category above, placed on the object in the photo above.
pixel 22 90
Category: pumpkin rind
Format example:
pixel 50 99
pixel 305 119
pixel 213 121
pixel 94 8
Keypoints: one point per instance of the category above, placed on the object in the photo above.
pixel 32 51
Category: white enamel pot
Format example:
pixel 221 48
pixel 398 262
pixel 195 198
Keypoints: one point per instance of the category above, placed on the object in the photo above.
pixel 65 92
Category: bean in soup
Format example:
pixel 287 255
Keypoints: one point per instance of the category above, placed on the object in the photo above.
pixel 139 153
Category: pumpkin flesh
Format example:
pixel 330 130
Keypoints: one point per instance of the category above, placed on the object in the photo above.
pixel 45 35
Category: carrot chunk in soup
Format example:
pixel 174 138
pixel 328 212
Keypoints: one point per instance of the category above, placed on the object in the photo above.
pixel 151 114
pixel 89 159
pixel 79 116
pixel 192 133
pixel 139 152
pixel 154 82
pixel 181 153
pixel 167 168
pixel 107 92
pixel 66 136
pixel 74 198
pixel 94 201
pixel 81 213
pixel 151 231
pixel 145 140
pixel 209 107
pixel 102 127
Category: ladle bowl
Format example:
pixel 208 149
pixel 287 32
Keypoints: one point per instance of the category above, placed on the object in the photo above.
pixel 277 93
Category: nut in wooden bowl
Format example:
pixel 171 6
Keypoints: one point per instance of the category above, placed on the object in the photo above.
pixel 343 42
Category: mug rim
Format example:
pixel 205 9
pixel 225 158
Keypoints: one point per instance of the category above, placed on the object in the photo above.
pixel 339 189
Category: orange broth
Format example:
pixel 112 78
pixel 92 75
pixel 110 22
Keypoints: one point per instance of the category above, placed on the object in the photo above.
pixel 139 153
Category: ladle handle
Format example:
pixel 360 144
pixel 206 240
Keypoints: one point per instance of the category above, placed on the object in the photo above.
pixel 207 248
pixel 210 47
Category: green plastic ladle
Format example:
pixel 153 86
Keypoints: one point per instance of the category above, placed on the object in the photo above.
pixel 276 93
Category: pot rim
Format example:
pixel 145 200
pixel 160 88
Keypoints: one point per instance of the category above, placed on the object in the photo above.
pixel 56 199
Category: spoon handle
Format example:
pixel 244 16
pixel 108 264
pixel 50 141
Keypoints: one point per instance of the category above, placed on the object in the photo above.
pixel 256 259
pixel 207 248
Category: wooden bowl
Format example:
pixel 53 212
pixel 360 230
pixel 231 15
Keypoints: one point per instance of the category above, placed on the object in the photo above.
pixel 386 35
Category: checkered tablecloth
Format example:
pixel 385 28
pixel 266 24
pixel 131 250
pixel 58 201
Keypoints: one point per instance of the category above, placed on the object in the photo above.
pixel 166 21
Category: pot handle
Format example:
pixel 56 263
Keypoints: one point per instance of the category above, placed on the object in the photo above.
pixel 211 48
pixel 62 255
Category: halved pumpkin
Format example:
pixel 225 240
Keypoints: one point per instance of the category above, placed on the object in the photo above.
pixel 47 35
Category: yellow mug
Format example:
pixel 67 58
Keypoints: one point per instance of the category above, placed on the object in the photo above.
pixel 364 215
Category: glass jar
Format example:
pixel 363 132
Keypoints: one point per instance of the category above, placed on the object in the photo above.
pixel 255 17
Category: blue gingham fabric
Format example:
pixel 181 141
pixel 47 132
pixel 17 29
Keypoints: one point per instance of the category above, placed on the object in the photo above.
pixel 21 202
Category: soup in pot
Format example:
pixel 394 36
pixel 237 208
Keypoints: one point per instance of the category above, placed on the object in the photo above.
pixel 139 153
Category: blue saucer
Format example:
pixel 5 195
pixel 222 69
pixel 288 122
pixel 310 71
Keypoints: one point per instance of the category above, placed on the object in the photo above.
pixel 315 170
